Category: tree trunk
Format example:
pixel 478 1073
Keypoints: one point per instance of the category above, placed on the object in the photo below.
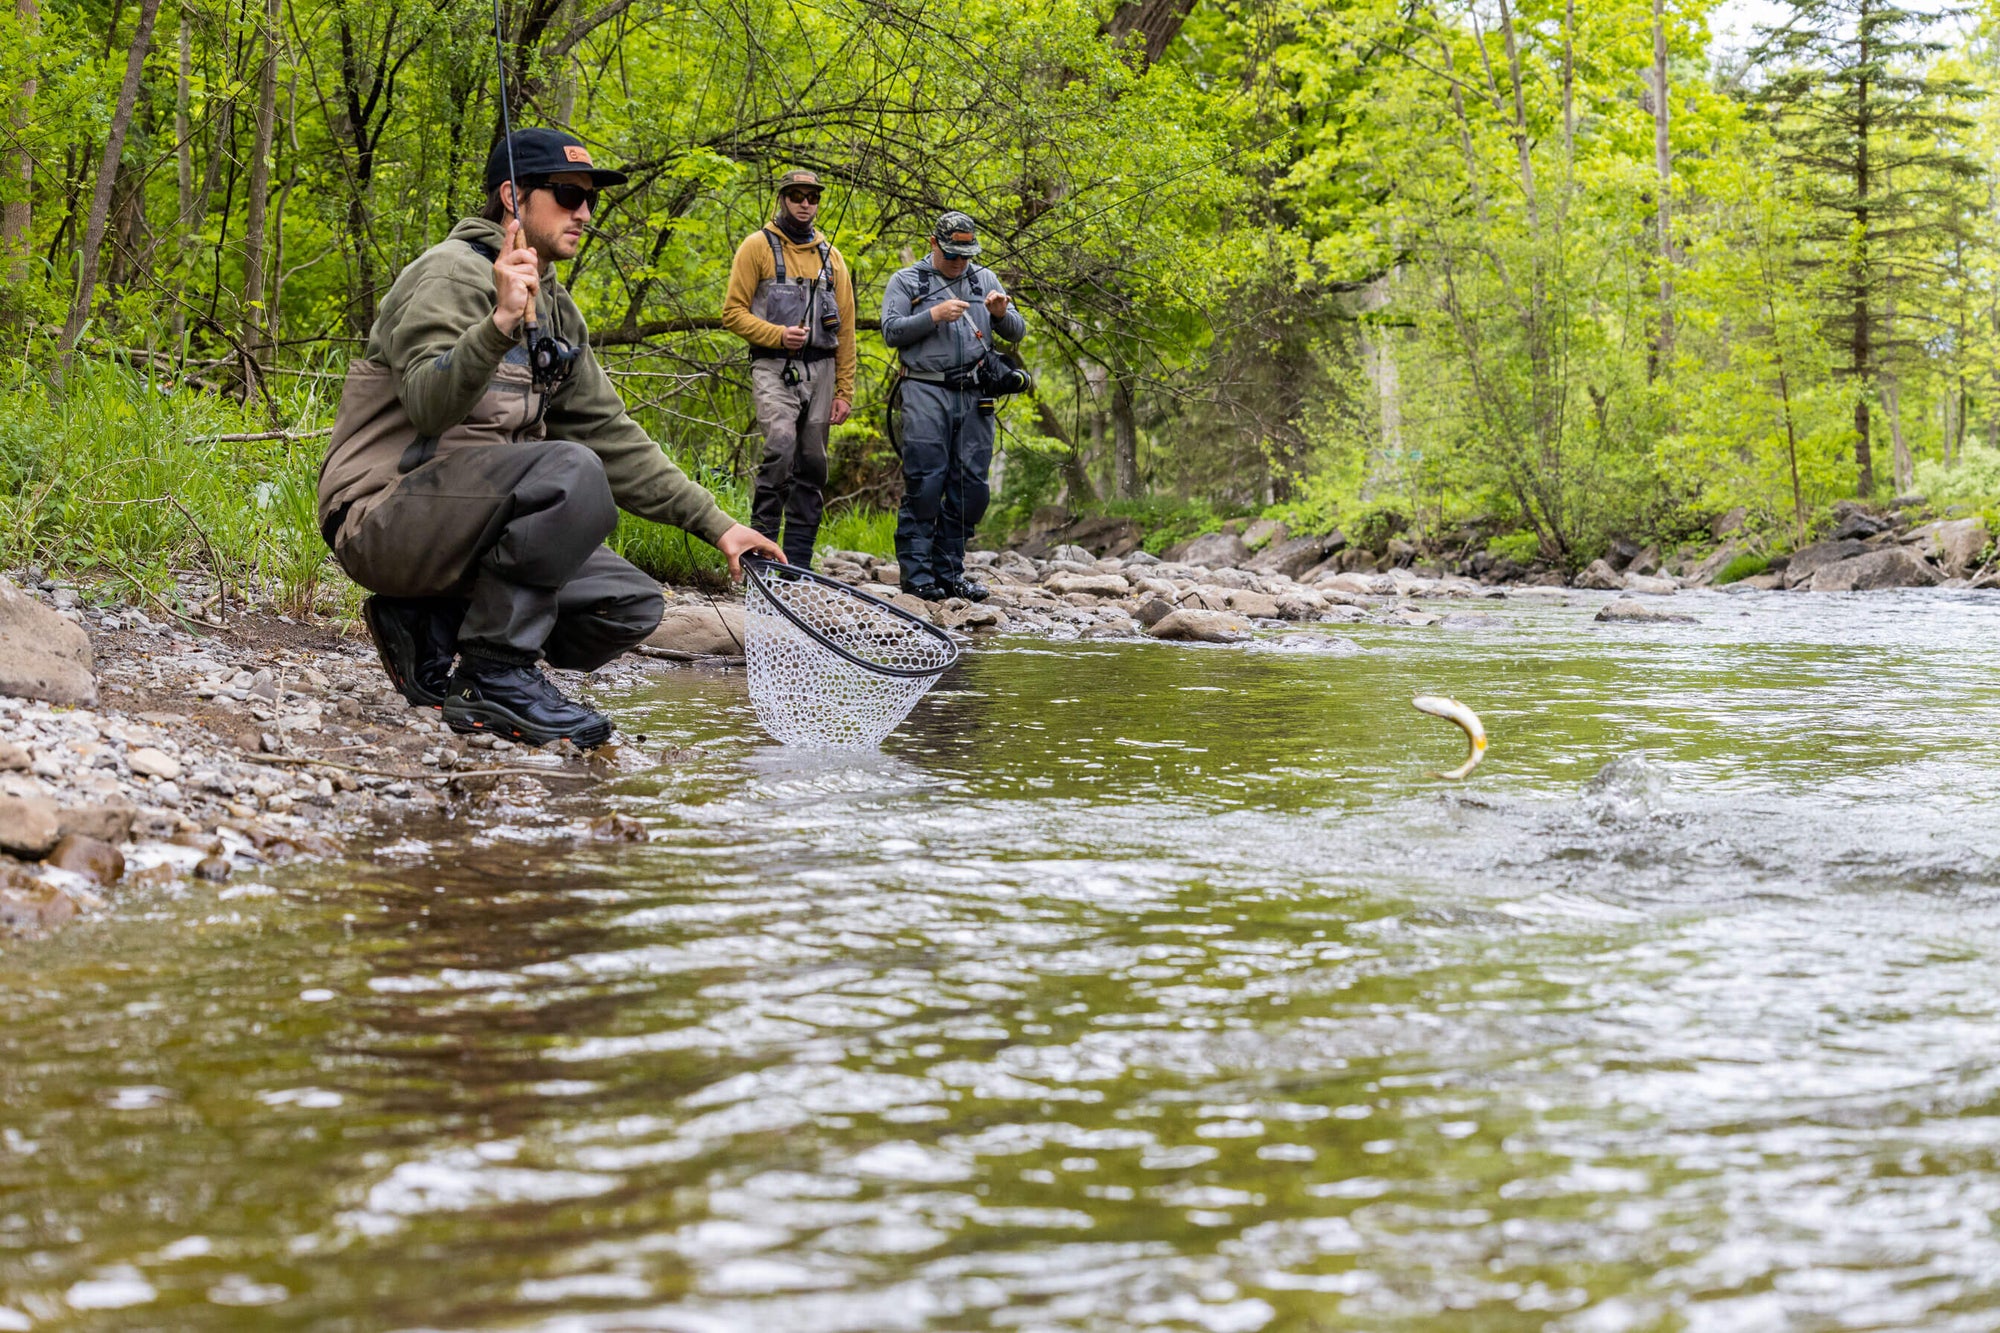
pixel 254 350
pixel 1905 467
pixel 1862 341
pixel 107 176
pixel 17 219
pixel 1125 437
pixel 1663 166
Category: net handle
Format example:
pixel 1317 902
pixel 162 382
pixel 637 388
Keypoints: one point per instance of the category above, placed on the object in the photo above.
pixel 754 569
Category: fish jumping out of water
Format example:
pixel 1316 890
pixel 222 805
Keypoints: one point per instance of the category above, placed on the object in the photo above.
pixel 1451 710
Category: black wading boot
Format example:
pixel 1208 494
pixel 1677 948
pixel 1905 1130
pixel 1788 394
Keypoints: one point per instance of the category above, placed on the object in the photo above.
pixel 518 703
pixel 414 639
pixel 924 590
pixel 957 585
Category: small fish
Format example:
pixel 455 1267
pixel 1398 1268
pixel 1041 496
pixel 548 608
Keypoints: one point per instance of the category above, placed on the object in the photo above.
pixel 1451 710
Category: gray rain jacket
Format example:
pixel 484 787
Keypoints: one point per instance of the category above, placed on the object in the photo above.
pixel 930 349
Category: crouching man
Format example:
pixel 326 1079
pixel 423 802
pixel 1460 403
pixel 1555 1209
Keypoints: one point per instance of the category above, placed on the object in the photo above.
pixel 480 458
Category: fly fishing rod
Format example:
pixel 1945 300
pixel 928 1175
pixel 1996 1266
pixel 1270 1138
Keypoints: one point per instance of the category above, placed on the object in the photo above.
pixel 549 359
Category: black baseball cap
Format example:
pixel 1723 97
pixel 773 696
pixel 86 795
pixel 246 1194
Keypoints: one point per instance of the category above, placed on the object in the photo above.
pixel 539 154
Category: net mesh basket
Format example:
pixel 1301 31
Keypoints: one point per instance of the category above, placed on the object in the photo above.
pixel 831 667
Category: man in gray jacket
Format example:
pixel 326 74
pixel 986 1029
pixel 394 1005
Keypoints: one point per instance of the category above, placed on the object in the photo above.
pixel 942 314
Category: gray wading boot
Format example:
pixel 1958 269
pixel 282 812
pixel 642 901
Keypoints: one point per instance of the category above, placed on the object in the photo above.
pixel 518 703
pixel 415 640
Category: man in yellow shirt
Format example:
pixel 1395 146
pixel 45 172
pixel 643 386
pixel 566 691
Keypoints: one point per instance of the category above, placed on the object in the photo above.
pixel 790 298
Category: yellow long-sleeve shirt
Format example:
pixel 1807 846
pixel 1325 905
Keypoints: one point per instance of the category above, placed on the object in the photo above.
pixel 753 265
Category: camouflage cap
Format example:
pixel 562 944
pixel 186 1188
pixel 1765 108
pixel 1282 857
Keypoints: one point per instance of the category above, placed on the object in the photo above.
pixel 800 179
pixel 957 235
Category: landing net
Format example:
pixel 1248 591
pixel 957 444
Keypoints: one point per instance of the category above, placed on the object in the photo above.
pixel 831 667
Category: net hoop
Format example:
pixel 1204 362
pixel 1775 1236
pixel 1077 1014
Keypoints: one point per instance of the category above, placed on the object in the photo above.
pixel 757 568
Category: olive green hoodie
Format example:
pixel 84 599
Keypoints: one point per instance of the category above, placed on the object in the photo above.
pixel 438 376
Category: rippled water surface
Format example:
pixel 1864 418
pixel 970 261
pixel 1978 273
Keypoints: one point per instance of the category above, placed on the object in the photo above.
pixel 1131 987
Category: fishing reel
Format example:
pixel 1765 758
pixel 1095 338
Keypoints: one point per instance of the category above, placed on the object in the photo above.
pixel 551 361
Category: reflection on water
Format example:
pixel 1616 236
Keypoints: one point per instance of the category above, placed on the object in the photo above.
pixel 1132 987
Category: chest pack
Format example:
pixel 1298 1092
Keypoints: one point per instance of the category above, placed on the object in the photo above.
pixel 810 304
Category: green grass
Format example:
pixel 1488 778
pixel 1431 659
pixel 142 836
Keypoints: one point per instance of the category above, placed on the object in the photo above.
pixel 1743 567
pixel 858 528
pixel 117 481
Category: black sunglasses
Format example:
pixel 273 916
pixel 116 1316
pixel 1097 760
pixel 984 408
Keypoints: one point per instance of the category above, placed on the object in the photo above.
pixel 802 196
pixel 571 197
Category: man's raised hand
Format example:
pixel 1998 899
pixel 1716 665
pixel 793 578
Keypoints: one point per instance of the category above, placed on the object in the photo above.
pixel 517 281
pixel 997 303
pixel 944 312
pixel 795 337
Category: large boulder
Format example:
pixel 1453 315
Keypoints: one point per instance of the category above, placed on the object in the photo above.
pixel 42 655
pixel 1293 556
pixel 1215 550
pixel 1191 626
pixel 1093 536
pixel 700 629
pixel 1712 565
pixel 1264 532
pixel 1955 544
pixel 1809 560
pixel 1889 567
pixel 1599 575
pixel 1651 585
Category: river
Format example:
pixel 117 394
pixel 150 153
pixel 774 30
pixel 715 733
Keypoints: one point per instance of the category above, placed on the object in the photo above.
pixel 1131 987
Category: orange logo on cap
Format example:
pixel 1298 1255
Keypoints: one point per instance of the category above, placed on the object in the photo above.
pixel 576 154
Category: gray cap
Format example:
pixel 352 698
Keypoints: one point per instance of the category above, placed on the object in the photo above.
pixel 957 235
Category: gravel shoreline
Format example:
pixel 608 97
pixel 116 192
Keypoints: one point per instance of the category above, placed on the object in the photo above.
pixel 216 750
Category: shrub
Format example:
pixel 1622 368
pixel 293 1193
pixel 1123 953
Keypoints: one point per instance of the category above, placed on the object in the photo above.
pixel 1520 547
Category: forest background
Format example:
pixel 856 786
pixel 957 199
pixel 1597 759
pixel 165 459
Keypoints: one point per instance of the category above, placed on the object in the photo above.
pixel 1525 275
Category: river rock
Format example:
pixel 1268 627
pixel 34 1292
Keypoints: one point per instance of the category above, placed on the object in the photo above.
pixel 701 629
pixel 615 827
pixel 1626 610
pixel 1073 554
pixel 107 821
pixel 98 862
pixel 1889 567
pixel 42 654
pixel 1215 550
pixel 1245 602
pixel 1599 575
pixel 1808 560
pixel 29 825
pixel 30 907
pixel 1955 544
pixel 214 868
pixel 14 758
pixel 1095 585
pixel 1153 611
pixel 151 763
pixel 1189 625
pixel 1651 585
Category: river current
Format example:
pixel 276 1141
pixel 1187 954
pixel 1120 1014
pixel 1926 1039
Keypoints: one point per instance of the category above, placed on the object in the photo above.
pixel 1130 987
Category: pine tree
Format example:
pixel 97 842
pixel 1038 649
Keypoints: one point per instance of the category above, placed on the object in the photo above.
pixel 1874 137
